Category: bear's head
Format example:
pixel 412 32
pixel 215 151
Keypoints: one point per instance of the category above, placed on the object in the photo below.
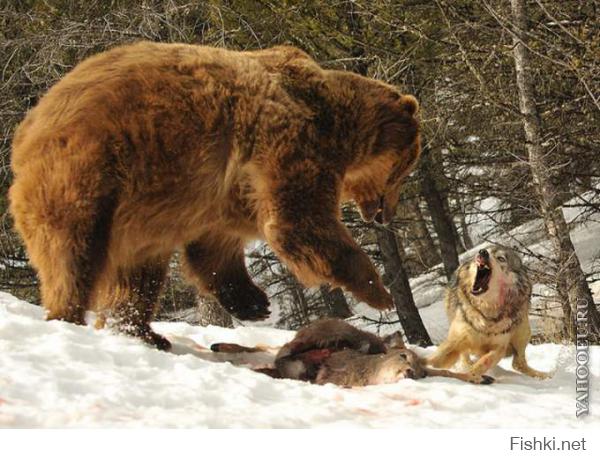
pixel 392 148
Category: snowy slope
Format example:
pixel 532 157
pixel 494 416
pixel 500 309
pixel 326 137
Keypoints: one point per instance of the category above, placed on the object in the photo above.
pixel 55 374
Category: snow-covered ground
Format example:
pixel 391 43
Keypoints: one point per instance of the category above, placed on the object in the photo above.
pixel 54 374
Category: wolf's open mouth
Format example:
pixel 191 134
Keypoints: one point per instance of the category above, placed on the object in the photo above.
pixel 482 278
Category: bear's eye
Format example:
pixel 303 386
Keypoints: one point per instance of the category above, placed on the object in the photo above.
pixel 501 259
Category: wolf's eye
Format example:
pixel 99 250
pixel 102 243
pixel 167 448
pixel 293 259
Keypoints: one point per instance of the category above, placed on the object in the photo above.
pixel 501 259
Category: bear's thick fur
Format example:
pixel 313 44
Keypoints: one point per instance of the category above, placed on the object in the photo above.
pixel 151 147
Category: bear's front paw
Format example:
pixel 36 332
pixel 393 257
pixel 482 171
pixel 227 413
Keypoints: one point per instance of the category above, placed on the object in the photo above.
pixel 253 312
pixel 376 296
pixel 245 302
pixel 354 271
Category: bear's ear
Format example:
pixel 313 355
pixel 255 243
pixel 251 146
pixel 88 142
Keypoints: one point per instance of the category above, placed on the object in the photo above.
pixel 397 127
pixel 399 104
pixel 408 104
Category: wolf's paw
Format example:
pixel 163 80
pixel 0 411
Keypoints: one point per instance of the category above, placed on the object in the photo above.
pixel 522 367
pixel 483 379
pixel 539 374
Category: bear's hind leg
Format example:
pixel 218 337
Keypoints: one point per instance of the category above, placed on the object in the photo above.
pixel 66 287
pixel 135 301
pixel 69 260
pixel 216 266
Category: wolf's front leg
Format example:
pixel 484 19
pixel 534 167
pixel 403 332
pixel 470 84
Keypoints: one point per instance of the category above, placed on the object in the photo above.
pixel 518 343
pixel 485 363
pixel 445 355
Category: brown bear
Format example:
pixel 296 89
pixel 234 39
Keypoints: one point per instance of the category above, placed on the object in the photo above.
pixel 149 148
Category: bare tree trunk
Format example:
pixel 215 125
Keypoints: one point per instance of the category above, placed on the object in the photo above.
pixel 388 244
pixel 409 316
pixel 458 242
pixel 210 312
pixel 569 268
pixel 421 238
pixel 442 222
pixel 466 238
pixel 356 28
pixel 300 314
pixel 336 302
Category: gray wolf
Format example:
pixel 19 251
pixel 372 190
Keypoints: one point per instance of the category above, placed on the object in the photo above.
pixel 487 303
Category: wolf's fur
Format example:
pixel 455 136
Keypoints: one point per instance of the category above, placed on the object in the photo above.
pixel 333 351
pixel 490 325
pixel 149 148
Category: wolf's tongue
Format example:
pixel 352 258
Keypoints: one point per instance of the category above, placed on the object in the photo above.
pixel 482 279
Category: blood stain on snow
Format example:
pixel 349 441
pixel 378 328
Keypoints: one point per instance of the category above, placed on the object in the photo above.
pixel 413 402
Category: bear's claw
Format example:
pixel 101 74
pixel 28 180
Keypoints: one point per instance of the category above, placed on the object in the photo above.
pixel 245 303
pixel 252 312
